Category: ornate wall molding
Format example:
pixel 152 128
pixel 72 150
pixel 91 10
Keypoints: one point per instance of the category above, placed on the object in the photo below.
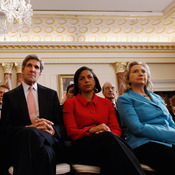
pixel 120 66
pixel 7 68
pixel 18 67
pixel 97 28
pixel 163 84
pixel 117 47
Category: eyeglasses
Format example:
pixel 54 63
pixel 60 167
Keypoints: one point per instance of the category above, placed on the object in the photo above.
pixel 108 88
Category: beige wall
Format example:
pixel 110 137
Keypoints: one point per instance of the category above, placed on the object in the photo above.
pixel 162 71
pixel 66 58
pixel 105 72
pixel 163 75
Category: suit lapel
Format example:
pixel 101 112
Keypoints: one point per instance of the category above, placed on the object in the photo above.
pixel 154 99
pixel 42 100
pixel 20 98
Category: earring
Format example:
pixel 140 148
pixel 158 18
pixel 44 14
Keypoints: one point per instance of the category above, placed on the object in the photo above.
pixel 95 89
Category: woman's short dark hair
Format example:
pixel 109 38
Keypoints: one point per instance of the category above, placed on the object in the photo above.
pixel 97 88
pixel 32 57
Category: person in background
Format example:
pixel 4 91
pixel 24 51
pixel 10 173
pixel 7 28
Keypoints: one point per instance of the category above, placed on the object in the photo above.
pixel 151 130
pixel 3 89
pixel 92 125
pixel 69 94
pixel 109 92
pixel 5 157
pixel 70 91
pixel 31 116
pixel 172 112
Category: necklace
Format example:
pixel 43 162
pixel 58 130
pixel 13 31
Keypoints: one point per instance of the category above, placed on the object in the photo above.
pixel 145 95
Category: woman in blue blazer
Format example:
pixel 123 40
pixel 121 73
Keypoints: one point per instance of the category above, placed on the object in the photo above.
pixel 151 130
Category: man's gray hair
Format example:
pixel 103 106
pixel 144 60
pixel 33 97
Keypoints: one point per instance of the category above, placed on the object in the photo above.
pixel 32 57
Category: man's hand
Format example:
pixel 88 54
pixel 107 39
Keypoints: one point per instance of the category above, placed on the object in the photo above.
pixel 99 128
pixel 44 125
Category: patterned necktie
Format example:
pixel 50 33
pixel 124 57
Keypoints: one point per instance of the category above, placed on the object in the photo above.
pixel 31 105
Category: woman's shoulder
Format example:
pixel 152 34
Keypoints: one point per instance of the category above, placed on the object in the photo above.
pixel 125 98
pixel 125 95
pixel 69 104
pixel 70 100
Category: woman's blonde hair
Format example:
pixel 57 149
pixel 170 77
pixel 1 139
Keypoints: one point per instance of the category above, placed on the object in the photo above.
pixel 148 86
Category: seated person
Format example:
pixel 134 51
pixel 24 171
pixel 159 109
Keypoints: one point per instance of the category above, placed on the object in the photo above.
pixel 70 91
pixel 172 112
pixel 3 89
pixel 5 153
pixel 36 141
pixel 92 125
pixel 109 92
pixel 151 130
pixel 69 94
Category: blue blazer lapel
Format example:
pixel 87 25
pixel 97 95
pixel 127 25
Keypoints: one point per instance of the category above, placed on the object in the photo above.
pixel 155 101
pixel 138 96
pixel 142 98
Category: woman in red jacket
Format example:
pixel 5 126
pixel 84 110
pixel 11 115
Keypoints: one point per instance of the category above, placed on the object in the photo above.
pixel 92 125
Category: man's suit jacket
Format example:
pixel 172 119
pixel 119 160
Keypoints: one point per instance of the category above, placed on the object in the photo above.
pixel 15 114
pixel 147 121
pixel 121 123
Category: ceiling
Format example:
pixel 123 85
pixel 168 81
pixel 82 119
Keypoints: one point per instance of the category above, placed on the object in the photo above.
pixel 101 6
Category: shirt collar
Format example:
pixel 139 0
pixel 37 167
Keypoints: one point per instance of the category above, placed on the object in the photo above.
pixel 26 86
pixel 84 101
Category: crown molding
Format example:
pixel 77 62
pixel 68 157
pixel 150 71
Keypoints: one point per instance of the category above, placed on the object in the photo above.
pixel 92 60
pixel 163 84
pixel 99 14
pixel 83 47
pixel 125 14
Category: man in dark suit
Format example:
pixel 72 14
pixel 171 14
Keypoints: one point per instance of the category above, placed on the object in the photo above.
pixel 36 138
pixel 4 156
pixel 109 91
pixel 3 89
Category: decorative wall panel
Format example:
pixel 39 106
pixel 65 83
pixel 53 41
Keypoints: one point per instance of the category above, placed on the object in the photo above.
pixel 93 28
